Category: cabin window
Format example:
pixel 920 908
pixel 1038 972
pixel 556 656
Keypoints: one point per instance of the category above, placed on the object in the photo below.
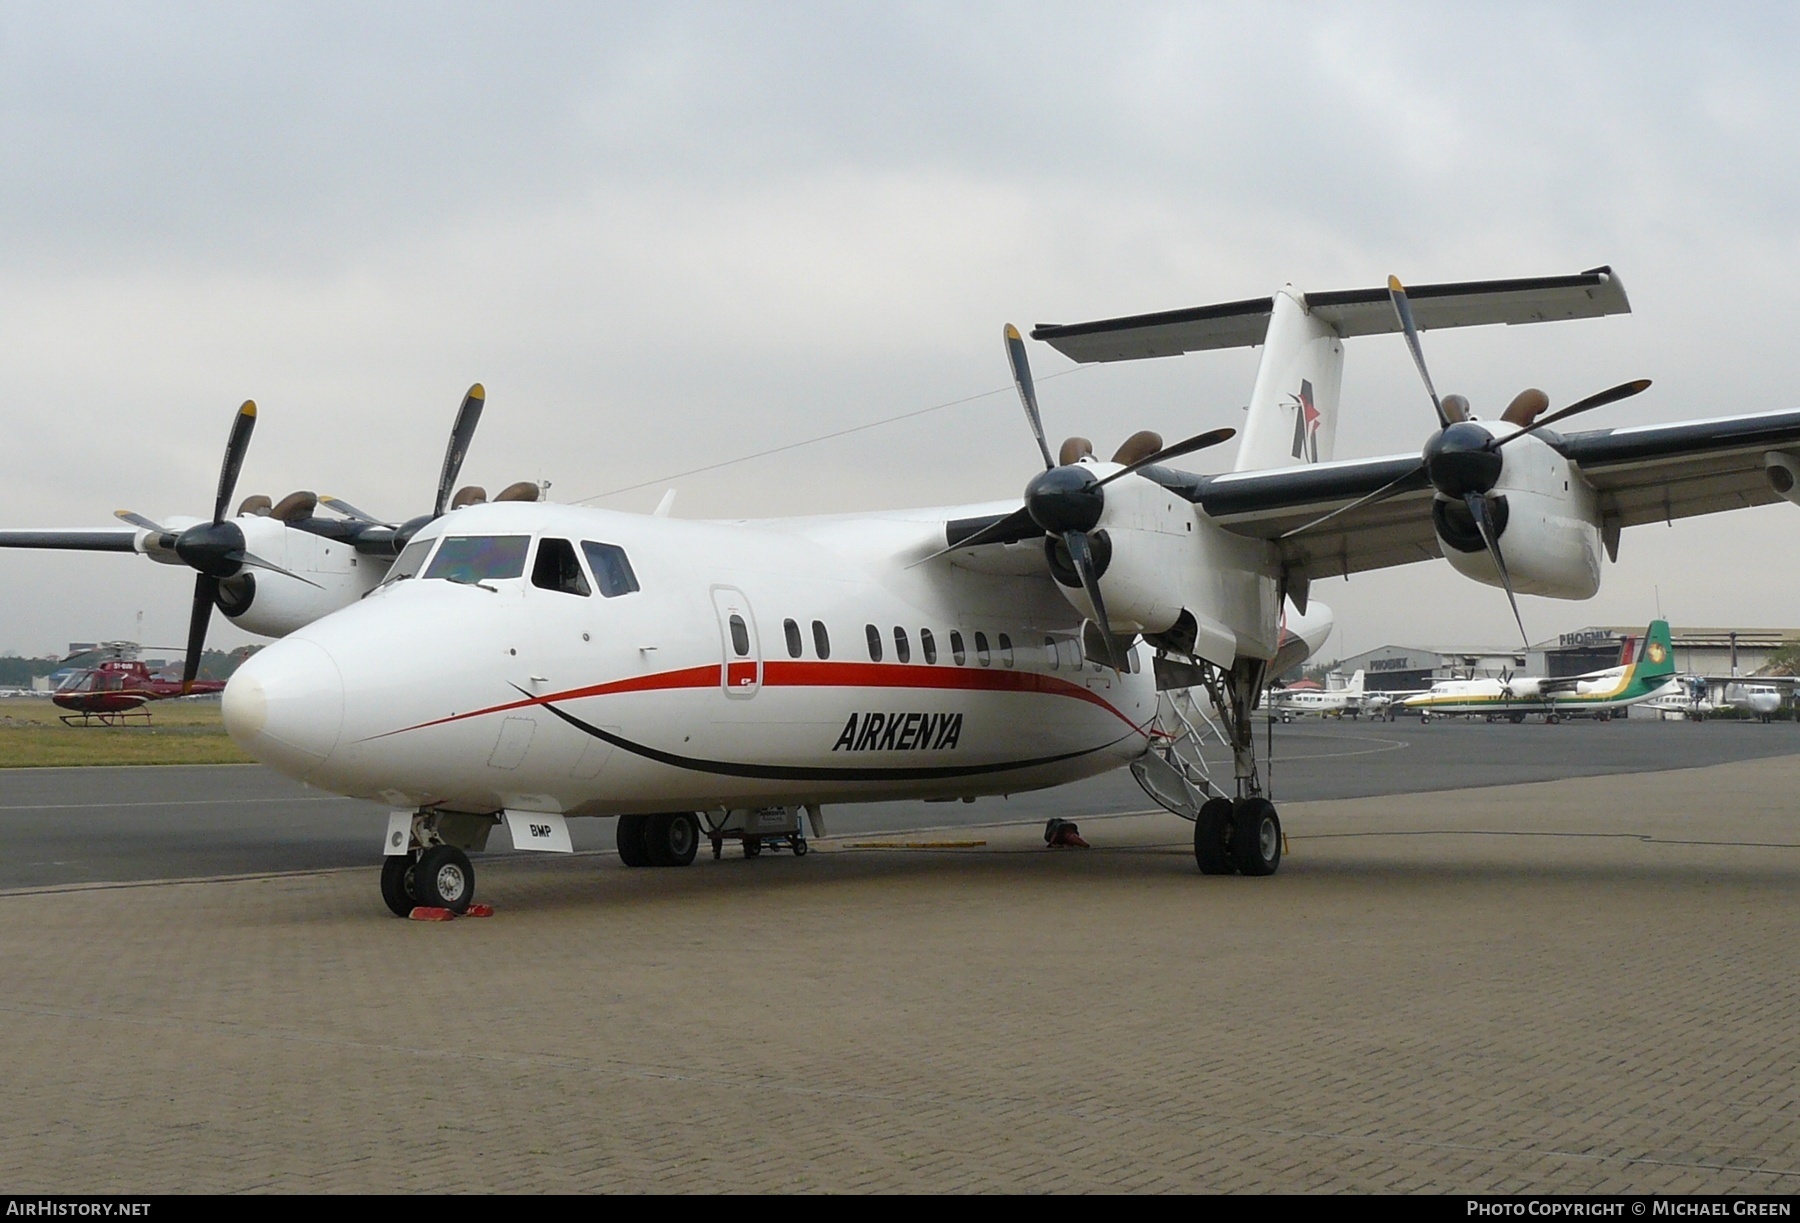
pixel 1050 652
pixel 928 644
pixel 874 643
pixel 981 650
pixel 740 635
pixel 792 631
pixel 410 561
pixel 557 569
pixel 902 648
pixel 612 568
pixel 480 558
pixel 957 653
pixel 821 639
pixel 1006 654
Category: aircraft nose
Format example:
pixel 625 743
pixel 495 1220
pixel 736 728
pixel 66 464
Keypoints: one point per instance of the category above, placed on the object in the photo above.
pixel 285 706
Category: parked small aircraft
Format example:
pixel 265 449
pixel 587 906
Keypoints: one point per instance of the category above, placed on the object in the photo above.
pixel 1321 701
pixel 1597 692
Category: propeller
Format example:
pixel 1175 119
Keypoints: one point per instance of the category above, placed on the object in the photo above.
pixel 1462 460
pixel 215 550
pixel 461 434
pixel 1065 501
pixel 385 539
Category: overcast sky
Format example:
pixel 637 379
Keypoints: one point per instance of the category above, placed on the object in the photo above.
pixel 667 236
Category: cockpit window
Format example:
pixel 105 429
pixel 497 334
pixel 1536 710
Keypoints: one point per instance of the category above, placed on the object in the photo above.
pixel 557 568
pixel 410 560
pixel 480 558
pixel 612 569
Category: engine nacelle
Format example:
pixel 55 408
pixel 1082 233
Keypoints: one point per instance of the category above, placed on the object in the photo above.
pixel 273 604
pixel 1548 521
pixel 1783 473
pixel 1166 569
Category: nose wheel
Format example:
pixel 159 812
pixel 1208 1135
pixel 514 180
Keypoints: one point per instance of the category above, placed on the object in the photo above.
pixel 441 877
pixel 397 884
pixel 444 879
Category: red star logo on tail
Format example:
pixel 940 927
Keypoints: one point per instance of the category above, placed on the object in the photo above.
pixel 1306 424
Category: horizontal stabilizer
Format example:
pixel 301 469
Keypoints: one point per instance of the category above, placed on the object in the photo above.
pixel 113 539
pixel 1350 312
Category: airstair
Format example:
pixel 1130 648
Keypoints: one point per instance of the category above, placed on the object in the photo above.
pixel 1173 771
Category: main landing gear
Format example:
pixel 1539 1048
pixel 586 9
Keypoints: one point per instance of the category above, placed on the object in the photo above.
pixel 1242 834
pixel 668 838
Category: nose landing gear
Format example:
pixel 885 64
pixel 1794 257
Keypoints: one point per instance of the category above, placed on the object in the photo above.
pixel 426 864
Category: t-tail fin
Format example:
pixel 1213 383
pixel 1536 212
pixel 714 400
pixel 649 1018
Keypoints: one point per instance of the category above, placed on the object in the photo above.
pixel 1356 683
pixel 1293 410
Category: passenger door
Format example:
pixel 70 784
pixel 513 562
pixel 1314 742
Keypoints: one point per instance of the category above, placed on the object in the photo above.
pixel 741 672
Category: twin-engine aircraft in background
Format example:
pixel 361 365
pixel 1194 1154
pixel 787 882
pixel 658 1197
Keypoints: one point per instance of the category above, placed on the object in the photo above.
pixel 1321 701
pixel 1698 697
pixel 531 662
pixel 1640 677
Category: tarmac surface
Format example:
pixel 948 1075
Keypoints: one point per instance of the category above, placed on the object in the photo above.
pixel 94 825
pixel 1580 985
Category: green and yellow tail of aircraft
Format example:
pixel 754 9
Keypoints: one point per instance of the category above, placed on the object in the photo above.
pixel 1649 669
pixel 1653 666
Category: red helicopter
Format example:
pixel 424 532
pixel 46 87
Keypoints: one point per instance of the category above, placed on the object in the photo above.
pixel 115 691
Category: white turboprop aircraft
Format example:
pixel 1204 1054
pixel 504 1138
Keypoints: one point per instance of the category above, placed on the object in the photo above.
pixel 533 662
pixel 1322 701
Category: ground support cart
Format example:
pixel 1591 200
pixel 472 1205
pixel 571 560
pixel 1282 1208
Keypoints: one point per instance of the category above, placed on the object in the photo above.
pixel 757 829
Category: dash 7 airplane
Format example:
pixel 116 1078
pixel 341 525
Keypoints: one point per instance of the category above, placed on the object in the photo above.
pixel 528 662
pixel 1601 693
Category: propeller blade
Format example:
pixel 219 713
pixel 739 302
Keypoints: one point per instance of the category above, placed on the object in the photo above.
pixel 1625 390
pixel 206 589
pixel 1478 508
pixel 1403 308
pixel 139 521
pixel 235 449
pixel 1381 494
pixel 1083 556
pixel 343 507
pixel 461 434
pixel 256 562
pixel 1199 441
pixel 1015 523
pixel 1021 372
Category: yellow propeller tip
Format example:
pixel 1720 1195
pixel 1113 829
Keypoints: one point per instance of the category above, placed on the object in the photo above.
pixel 1012 333
pixel 1394 285
pixel 477 392
pixel 249 408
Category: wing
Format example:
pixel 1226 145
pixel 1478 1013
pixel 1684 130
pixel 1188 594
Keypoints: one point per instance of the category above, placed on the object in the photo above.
pixel 1650 473
pixel 103 539
pixel 1658 473
pixel 1268 504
